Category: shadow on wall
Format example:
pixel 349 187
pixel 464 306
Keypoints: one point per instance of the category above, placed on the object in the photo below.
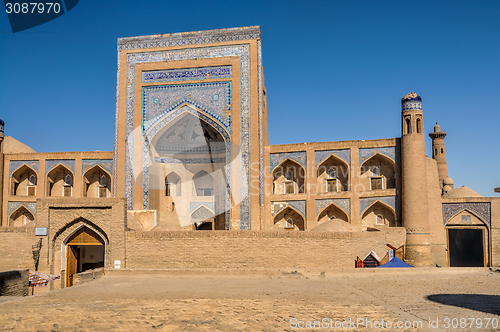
pixel 479 302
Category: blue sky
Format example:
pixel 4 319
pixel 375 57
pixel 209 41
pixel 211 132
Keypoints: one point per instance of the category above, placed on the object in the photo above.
pixel 334 70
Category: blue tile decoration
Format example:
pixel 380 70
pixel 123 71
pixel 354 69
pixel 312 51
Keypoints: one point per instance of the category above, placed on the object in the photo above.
pixel 2 124
pixel 15 164
pixel 51 163
pixel 342 203
pixel 241 50
pixel 159 100
pixel 12 206
pixel 115 156
pixel 189 38
pixel 389 151
pixel 344 154
pixel 300 206
pixel 186 74
pixel 299 157
pixel 163 160
pixel 107 164
pixel 261 146
pixel 483 210
pixel 195 205
pixel 364 203
pixel 411 101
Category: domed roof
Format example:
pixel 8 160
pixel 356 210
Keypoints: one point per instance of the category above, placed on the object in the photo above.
pixel 462 192
pixel 448 181
pixel 437 128
pixel 334 225
pixel 411 96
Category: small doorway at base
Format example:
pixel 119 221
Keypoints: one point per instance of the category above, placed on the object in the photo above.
pixel 466 247
pixel 85 250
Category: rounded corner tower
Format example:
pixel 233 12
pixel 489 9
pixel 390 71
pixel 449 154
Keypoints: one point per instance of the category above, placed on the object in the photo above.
pixel 414 185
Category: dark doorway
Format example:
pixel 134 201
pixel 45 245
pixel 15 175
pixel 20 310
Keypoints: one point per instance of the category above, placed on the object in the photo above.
pixel 466 247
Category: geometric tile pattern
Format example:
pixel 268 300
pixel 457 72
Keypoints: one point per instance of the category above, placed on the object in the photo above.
pixel 12 206
pixel 51 163
pixel 344 154
pixel 261 146
pixel 481 209
pixel 15 164
pixel 365 202
pixel 107 164
pixel 343 203
pixel 387 151
pixel 300 206
pixel 185 74
pixel 299 157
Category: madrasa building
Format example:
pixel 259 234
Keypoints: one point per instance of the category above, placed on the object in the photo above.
pixel 193 182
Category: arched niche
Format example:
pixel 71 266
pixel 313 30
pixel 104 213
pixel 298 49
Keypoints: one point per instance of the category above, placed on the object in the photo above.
pixel 289 219
pixel 203 218
pixel 379 214
pixel 203 184
pixel 97 182
pixel 23 181
pixel 60 181
pixel 21 217
pixel 330 212
pixel 378 172
pixel 288 178
pixel 173 185
pixel 333 175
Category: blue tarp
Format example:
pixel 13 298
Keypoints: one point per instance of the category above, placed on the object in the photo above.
pixel 395 262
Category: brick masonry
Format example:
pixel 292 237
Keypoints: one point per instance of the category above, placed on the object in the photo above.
pixel 14 283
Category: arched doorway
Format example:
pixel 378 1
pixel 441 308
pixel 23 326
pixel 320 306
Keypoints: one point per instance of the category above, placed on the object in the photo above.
pixel 84 251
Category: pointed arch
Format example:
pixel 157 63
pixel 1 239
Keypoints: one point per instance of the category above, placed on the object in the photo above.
pixel 202 213
pixel 332 210
pixel 282 219
pixel 203 184
pixel 173 184
pixel 20 181
pixel 386 175
pixel 92 182
pixel 73 226
pixel 56 181
pixel 379 155
pixel 485 223
pixel 378 209
pixel 327 183
pixel 21 217
pixel 284 185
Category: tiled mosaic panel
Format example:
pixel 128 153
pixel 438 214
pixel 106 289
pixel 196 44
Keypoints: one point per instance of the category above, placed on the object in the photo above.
pixel 343 203
pixel 389 151
pixel 344 154
pixel 412 105
pixel 212 98
pixel 164 160
pixel 242 51
pixel 115 156
pixel 300 206
pixel 12 206
pixel 188 38
pixel 195 205
pixel 15 164
pixel 186 74
pixel 2 127
pixel 481 209
pixel 51 163
pixel 261 126
pixel 364 203
pixel 299 157
pixel 107 164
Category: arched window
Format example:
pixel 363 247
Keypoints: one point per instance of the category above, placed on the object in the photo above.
pixel 419 129
pixel 435 151
pixel 289 175
pixel 408 126
pixel 376 181
pixel 103 181
pixel 380 220
pixel 375 171
pixel 442 150
pixel 68 180
pixel 332 174
pixel 67 189
pixel 32 180
pixel 289 223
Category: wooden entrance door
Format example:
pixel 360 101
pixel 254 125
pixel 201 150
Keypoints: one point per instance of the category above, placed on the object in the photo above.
pixel 72 264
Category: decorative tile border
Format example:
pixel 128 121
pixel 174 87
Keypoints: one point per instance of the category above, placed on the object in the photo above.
pixel 299 157
pixel 389 151
pixel 12 206
pixel 185 74
pixel 344 154
pixel 342 203
pixel 163 160
pixel 51 163
pixel 277 207
pixel 481 209
pixel 261 146
pixel 15 164
pixel 107 164
pixel 366 202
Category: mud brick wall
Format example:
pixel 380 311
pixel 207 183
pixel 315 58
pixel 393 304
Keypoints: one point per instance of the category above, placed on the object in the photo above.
pixel 15 247
pixel 253 249
pixel 14 283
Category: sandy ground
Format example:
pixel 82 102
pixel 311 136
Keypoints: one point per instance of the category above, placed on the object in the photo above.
pixel 280 302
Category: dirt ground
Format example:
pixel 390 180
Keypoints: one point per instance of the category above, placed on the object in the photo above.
pixel 420 299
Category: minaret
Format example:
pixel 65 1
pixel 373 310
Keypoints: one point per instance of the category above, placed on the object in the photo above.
pixel 414 182
pixel 1 169
pixel 439 153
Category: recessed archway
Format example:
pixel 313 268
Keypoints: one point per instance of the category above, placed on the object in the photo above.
pixel 289 219
pixel 21 217
pixel 288 178
pixel 378 172
pixel 333 175
pixel 60 181
pixel 332 211
pixel 97 182
pixel 23 181
pixel 379 214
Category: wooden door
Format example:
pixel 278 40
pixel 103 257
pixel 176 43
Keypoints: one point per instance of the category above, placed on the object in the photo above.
pixel 72 264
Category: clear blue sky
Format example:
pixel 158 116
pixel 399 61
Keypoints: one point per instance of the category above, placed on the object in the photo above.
pixel 334 70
